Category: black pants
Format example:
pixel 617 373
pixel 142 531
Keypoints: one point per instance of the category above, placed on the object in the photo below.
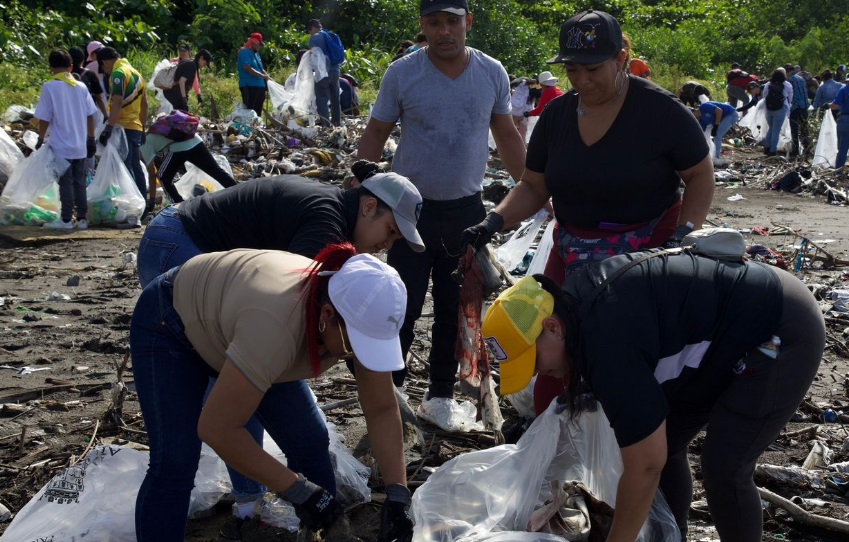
pixel 177 101
pixel 253 98
pixel 198 155
pixel 799 128
pixel 440 226
pixel 745 420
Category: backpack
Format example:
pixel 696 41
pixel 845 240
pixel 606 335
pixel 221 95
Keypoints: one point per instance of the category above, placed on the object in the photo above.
pixel 164 78
pixel 775 97
pixel 333 48
pixel 176 126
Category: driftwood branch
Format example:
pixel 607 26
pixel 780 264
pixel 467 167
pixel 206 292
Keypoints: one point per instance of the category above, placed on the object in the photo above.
pixel 803 516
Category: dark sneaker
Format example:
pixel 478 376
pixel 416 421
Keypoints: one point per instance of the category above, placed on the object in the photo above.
pixel 251 530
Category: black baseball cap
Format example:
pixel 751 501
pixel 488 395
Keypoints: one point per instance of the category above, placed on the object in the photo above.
pixel 455 7
pixel 590 37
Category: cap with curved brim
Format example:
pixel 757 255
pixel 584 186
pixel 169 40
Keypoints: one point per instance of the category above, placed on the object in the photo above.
pixel 410 233
pixel 381 355
pixel 579 59
pixel 516 374
pixel 448 8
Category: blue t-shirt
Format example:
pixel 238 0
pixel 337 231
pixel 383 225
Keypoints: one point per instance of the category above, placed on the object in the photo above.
pixel 252 59
pixel 708 111
pixel 842 99
pixel 826 93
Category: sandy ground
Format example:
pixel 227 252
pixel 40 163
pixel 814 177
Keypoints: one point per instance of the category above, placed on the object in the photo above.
pixel 65 306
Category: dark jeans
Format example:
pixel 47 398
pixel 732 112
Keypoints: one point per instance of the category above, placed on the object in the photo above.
pixel 171 379
pixel 72 190
pixel 176 100
pixel 133 160
pixel 198 155
pixel 799 129
pixel 842 140
pixel 253 98
pixel 747 418
pixel 440 225
pixel 328 90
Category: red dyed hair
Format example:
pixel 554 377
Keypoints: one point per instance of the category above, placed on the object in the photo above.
pixel 314 286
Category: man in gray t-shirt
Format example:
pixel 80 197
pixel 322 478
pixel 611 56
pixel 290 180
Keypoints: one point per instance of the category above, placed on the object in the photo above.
pixel 447 97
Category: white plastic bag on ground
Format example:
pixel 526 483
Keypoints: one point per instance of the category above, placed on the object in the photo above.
pixel 31 196
pixel 113 197
pixel 511 253
pixel 96 498
pixel 10 157
pixel 491 494
pixel 242 114
pixel 825 153
pixel 711 146
pixel 195 177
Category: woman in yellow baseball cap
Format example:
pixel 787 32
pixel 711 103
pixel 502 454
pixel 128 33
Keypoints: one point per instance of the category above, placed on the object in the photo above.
pixel 670 345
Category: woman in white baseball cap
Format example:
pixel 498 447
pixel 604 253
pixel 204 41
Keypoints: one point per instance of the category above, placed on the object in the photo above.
pixel 262 322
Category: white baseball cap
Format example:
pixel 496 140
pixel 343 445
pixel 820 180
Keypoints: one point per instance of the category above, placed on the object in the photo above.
pixel 372 300
pixel 404 199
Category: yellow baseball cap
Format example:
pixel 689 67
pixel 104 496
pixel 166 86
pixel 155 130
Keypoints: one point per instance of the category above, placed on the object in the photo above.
pixel 511 328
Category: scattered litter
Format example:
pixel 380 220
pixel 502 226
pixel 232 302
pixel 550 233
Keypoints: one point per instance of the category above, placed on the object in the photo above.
pixel 56 296
pixel 735 197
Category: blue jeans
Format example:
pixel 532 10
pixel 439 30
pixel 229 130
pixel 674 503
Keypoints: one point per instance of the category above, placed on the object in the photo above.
pixel 724 125
pixel 171 380
pixel 133 160
pixel 775 120
pixel 328 90
pixel 842 140
pixel 440 226
pixel 165 245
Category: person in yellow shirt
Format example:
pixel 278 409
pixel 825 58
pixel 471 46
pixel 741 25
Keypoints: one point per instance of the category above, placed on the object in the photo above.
pixel 127 109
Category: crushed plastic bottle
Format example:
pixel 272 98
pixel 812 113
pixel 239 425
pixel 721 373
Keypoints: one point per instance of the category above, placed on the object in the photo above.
pixel 276 512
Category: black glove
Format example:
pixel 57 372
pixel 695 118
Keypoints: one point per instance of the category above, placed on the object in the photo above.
pixel 105 134
pixel 39 143
pixel 526 114
pixel 478 236
pixel 144 137
pixel 200 99
pixel 315 506
pixel 395 522
pixel 681 231
pixel 714 129
pixel 90 147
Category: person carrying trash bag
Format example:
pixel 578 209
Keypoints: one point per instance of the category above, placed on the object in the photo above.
pixel 658 189
pixel 670 343
pixel 277 319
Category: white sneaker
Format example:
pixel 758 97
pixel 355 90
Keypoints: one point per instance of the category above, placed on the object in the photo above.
pixel 59 225
pixel 82 224
pixel 449 415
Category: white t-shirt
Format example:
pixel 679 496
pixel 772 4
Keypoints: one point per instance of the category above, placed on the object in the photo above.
pixel 66 108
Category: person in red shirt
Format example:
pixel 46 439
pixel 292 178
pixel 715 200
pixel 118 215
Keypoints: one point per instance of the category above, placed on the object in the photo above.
pixel 549 92
pixel 640 68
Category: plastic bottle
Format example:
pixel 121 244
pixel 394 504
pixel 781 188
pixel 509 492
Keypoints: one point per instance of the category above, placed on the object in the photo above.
pixel 39 215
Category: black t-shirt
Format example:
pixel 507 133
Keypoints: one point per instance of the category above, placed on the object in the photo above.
pixel 185 68
pixel 89 79
pixel 286 212
pixel 669 331
pixel 690 92
pixel 630 175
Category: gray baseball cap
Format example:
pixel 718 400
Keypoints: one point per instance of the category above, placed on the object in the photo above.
pixel 404 199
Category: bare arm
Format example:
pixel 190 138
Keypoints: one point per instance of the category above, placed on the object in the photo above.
pixel 383 421
pixel 43 125
pixel 643 464
pixel 143 109
pixel 373 140
pixel 101 104
pixel 511 148
pixel 698 192
pixel 116 102
pixel 222 425
pixel 718 116
pixel 526 198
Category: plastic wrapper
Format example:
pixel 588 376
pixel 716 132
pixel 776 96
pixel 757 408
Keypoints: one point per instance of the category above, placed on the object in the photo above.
pixel 490 494
pixel 195 182
pixel 96 498
pixel 511 253
pixel 113 197
pixel 31 196
pixel 546 243
pixel 825 153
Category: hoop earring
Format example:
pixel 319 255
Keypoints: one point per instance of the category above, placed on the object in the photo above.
pixel 321 326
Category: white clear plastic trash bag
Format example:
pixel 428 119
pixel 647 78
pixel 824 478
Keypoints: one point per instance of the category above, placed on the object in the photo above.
pixel 96 498
pixel 825 153
pixel 165 106
pixel 113 197
pixel 195 177
pixel 546 243
pixel 511 253
pixel 523 400
pixel 709 138
pixel 10 156
pixel 490 494
pixel 31 196
pixel 755 121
